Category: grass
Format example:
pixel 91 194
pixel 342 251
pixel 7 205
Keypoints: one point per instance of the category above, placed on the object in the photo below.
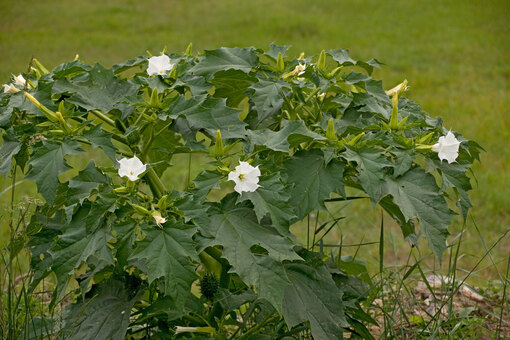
pixel 454 54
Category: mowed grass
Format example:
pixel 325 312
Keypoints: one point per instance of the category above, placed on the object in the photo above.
pixel 455 55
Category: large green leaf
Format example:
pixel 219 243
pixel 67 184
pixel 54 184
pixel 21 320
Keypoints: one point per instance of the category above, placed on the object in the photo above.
pixel 291 134
pixel 168 253
pixel 224 58
pixel 98 89
pixel 47 163
pixel 272 198
pixel 9 148
pixel 267 97
pixel 417 195
pixel 232 84
pixel 370 164
pixel 314 297
pixel 104 314
pixel 210 114
pixel 236 229
pixel 454 176
pixel 275 49
pixel 313 180
pixel 84 240
pixel 99 138
pixel 82 185
pixel 206 181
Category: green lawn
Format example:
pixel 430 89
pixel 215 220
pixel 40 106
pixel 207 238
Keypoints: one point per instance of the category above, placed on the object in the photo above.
pixel 455 55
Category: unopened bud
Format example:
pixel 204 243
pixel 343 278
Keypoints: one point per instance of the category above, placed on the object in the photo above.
pixel 47 112
pixel 189 49
pixel 330 131
pixel 280 65
pixel 154 101
pixel 321 63
pixel 218 146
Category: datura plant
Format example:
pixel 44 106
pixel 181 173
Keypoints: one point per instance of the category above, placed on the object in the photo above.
pixel 276 139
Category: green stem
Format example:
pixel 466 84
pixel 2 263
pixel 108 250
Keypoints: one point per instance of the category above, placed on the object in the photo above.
pixel 149 142
pixel 252 330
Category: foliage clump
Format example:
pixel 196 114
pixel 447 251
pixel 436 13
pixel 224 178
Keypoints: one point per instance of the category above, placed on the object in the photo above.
pixel 294 134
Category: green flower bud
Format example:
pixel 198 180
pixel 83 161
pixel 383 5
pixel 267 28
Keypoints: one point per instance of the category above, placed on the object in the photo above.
pixel 189 49
pixel 162 203
pixel 47 112
pixel 39 66
pixel 330 131
pixel 321 63
pixel 154 101
pixel 218 146
pixel 280 65
pixel 63 123
pixel 140 209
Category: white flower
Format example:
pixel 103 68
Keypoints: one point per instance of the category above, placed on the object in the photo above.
pixel 299 69
pixel 447 147
pixel 20 81
pixel 181 329
pixel 10 88
pixel 246 177
pixel 131 168
pixel 159 220
pixel 159 65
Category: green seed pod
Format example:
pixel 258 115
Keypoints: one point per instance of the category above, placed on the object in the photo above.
pixel 209 286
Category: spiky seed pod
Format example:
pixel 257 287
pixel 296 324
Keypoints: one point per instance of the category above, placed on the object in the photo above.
pixel 209 285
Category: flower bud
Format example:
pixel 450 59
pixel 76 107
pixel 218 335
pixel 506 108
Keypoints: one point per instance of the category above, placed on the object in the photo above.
pixel 280 65
pixel 39 66
pixel 394 112
pixel 162 203
pixel 154 101
pixel 120 190
pixel 334 72
pixel 321 63
pixel 218 146
pixel 10 88
pixel 47 112
pixel 140 209
pixel 180 329
pixel 189 49
pixel 355 139
pixel 399 89
pixel 330 131
pixel 63 123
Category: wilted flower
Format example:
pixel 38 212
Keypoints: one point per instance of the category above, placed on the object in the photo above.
pixel 131 168
pixel 246 177
pixel 20 81
pixel 159 220
pixel 10 88
pixel 447 147
pixel 159 65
